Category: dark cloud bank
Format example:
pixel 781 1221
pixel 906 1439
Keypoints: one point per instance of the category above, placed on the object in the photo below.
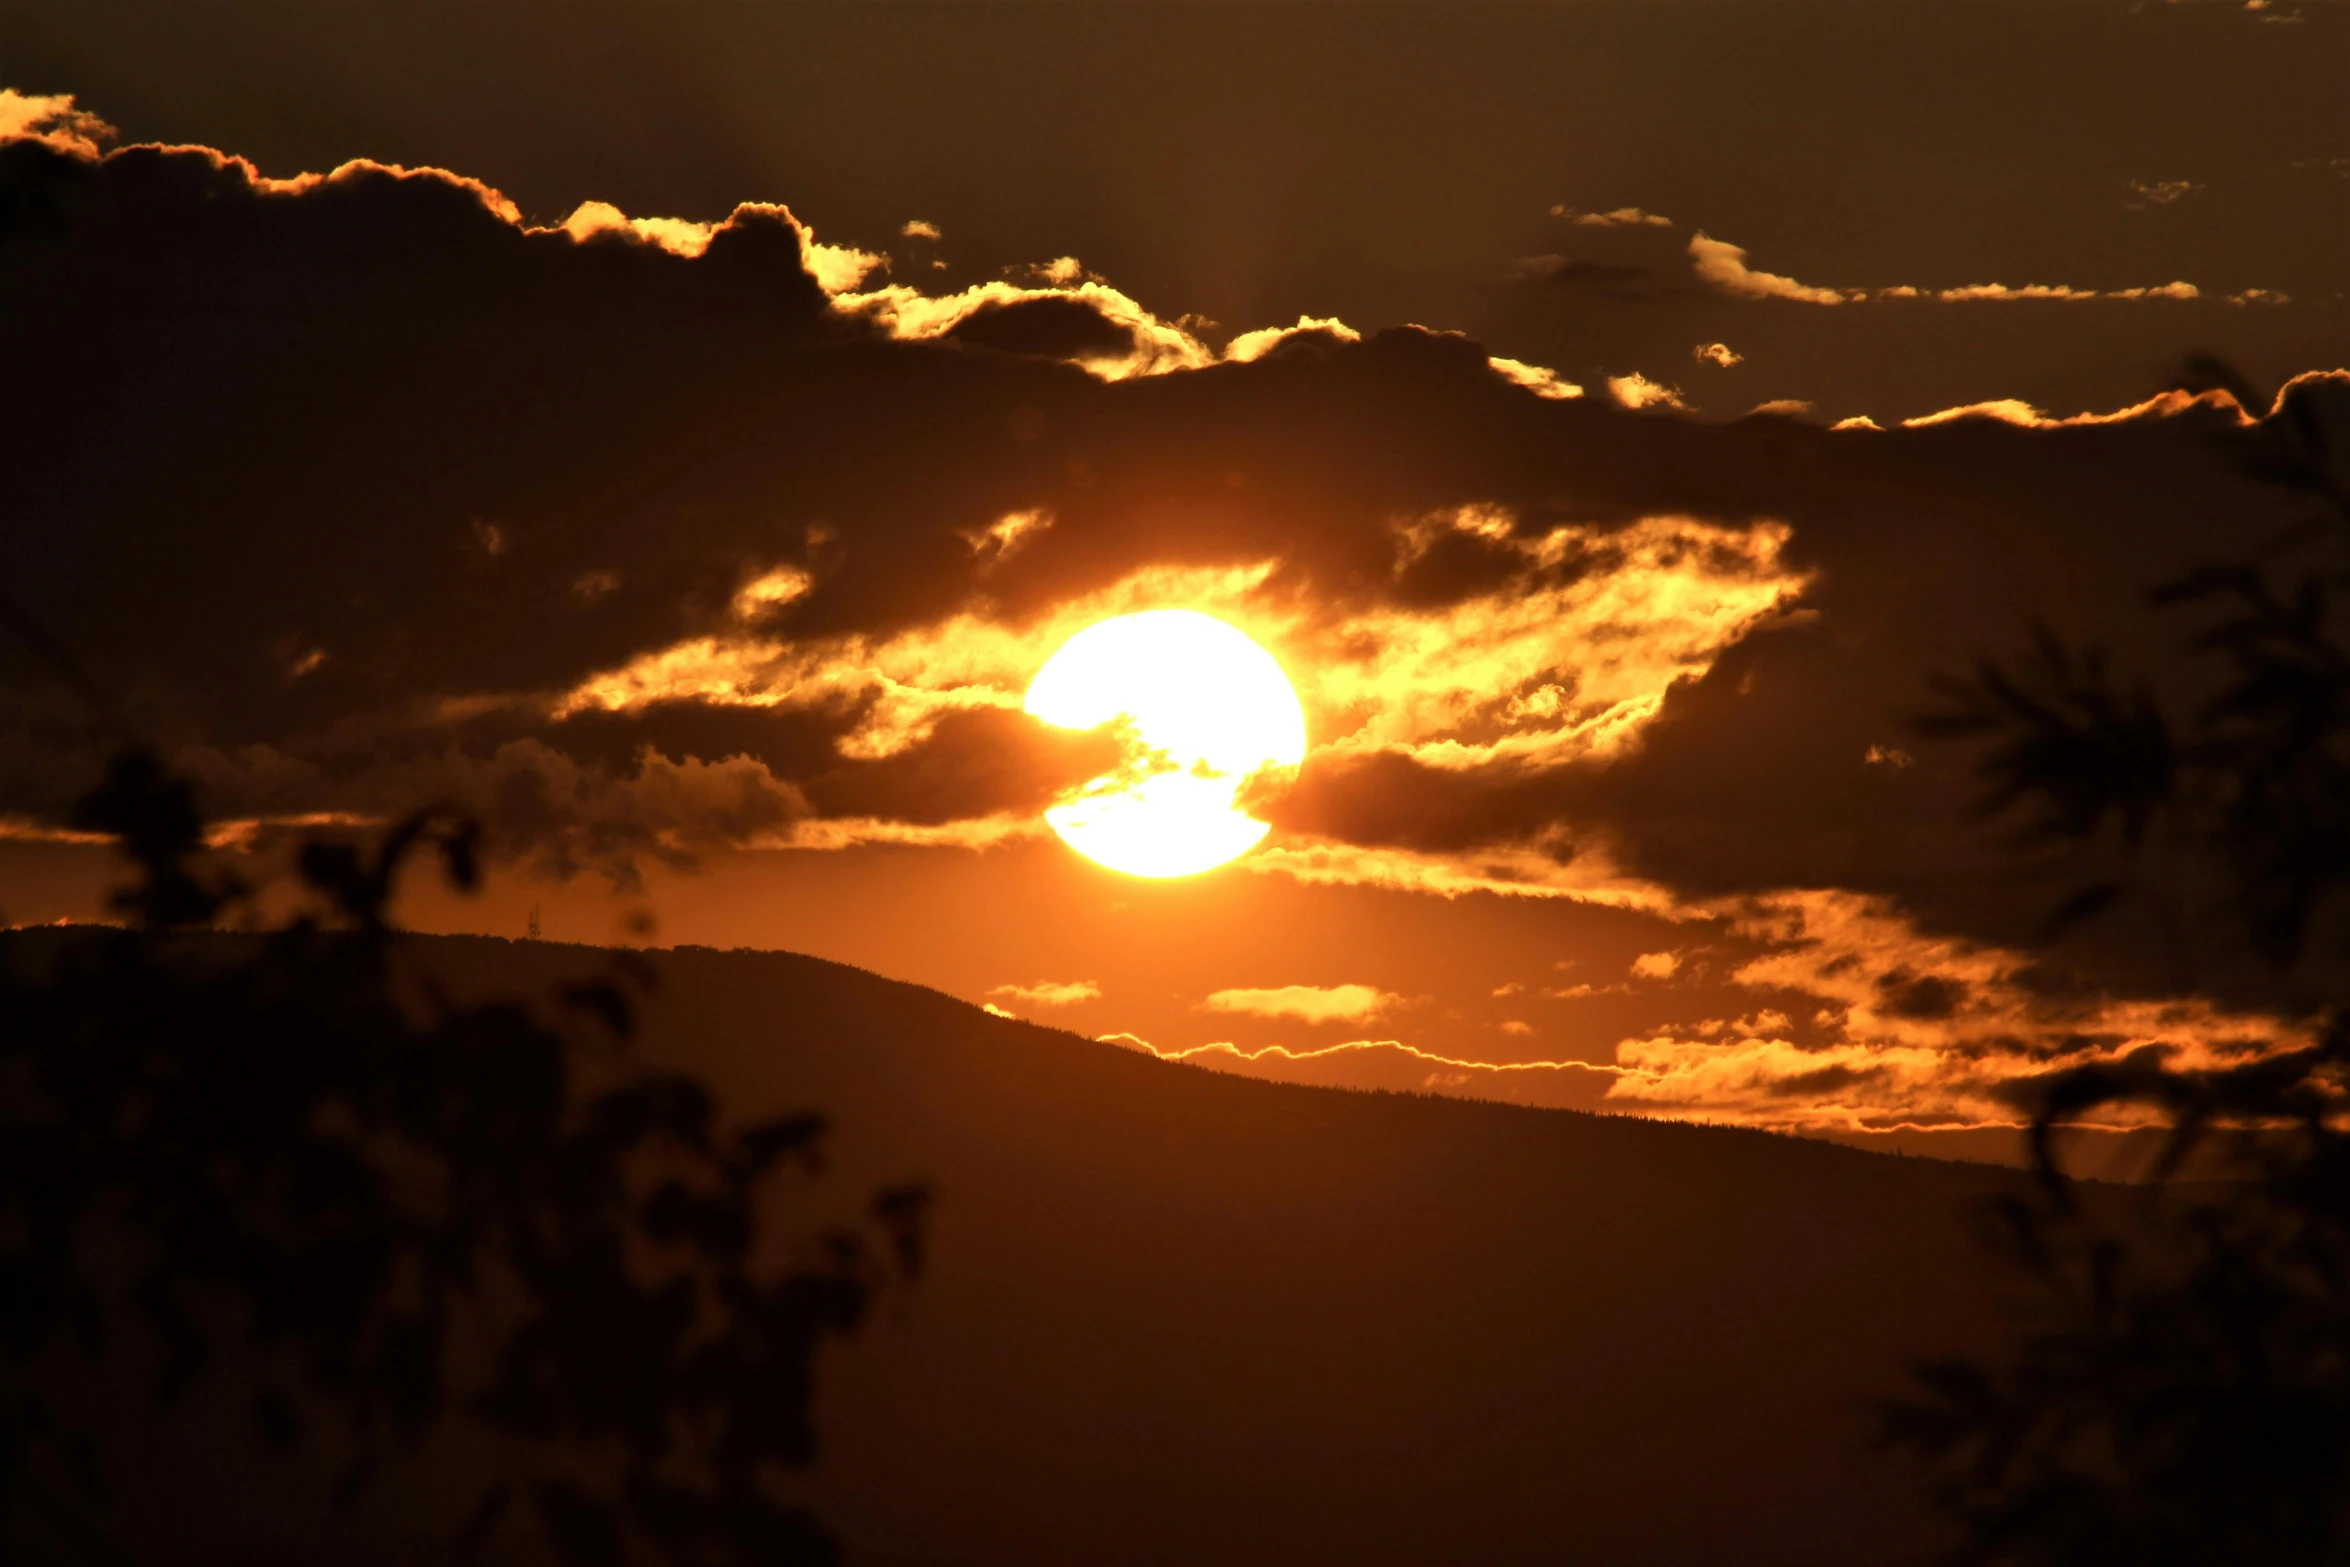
pixel 1394 163
pixel 340 484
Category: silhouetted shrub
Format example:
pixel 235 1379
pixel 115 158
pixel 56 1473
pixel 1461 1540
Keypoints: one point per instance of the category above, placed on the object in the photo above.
pixel 423 1215
pixel 2181 1390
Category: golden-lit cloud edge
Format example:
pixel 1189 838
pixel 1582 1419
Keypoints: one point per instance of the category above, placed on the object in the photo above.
pixel 1558 663
pixel 1905 1033
pixel 1155 346
pixel 1723 267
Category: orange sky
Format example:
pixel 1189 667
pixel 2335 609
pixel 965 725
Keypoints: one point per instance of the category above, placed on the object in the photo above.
pixel 709 561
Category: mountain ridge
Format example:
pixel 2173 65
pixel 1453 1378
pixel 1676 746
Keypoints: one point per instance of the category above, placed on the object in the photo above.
pixel 1455 1330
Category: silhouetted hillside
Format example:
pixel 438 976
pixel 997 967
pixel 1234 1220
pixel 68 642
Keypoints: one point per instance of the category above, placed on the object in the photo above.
pixel 1180 1317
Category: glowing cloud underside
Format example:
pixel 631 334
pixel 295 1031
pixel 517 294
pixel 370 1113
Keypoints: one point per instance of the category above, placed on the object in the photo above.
pixel 1205 709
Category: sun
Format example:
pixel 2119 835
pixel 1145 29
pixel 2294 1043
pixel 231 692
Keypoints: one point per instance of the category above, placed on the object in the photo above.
pixel 1208 708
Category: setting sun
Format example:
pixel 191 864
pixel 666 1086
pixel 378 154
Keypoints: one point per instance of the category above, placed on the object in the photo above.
pixel 1207 709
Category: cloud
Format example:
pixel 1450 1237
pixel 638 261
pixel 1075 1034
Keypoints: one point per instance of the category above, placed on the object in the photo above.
pixel 917 229
pixel 1002 538
pixel 1976 292
pixel 675 235
pixel 1620 217
pixel 1049 993
pixel 1054 326
pixel 2005 410
pixel 2000 293
pixel 1612 278
pixel 1545 863
pixel 1637 391
pixel 1724 266
pixel 1061 271
pixel 2168 291
pixel 1306 1003
pixel 2014 411
pixel 1498 639
pixel 1720 355
pixel 1856 1021
pixel 1463 659
pixel 837 269
pixel 1063 314
pixel 1310 331
pixel 1910 1030
pixel 2142 194
pixel 54 121
pixel 969 763
pixel 1534 378
pixel 559 815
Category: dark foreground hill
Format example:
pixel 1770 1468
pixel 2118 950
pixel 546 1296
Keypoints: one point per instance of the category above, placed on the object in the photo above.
pixel 1175 1317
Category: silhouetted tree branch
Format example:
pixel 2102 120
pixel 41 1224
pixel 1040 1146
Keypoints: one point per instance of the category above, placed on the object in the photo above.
pixel 2181 1391
pixel 423 1215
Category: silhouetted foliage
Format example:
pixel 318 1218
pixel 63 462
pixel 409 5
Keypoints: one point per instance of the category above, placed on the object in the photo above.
pixel 2181 1393
pixel 419 1215
pixel 2257 778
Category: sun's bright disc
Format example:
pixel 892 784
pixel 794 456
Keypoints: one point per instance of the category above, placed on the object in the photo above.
pixel 1209 706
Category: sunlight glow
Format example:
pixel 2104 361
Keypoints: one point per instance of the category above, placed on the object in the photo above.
pixel 1205 709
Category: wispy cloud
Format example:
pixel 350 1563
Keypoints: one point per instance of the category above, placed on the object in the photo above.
pixel 1616 218
pixel 1050 993
pixel 2015 411
pixel 1543 383
pixel 1723 266
pixel 2142 194
pixel 1906 1029
pixel 1306 1003
pixel 1862 1023
pixel 1137 342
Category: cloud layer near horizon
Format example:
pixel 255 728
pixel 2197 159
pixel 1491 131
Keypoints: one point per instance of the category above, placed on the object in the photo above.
pixel 651 540
pixel 357 484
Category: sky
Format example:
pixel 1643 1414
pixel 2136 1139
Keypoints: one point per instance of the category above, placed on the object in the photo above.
pixel 678 433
